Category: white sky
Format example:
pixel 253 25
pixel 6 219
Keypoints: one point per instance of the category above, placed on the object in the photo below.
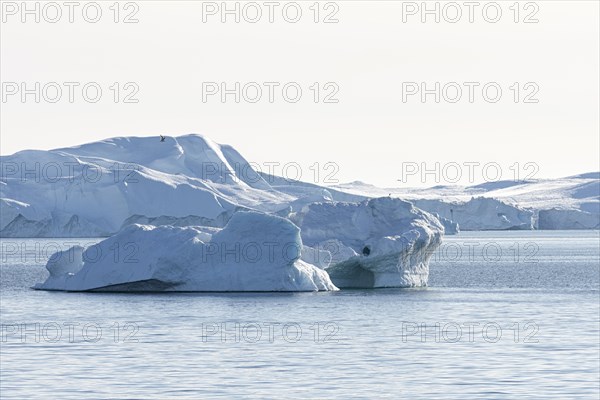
pixel 170 52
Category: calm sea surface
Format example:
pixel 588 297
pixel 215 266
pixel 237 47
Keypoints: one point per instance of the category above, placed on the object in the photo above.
pixel 506 315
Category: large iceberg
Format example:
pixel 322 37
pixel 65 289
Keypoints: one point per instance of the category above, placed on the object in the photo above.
pixel 254 252
pixel 102 184
pixel 97 188
pixel 381 242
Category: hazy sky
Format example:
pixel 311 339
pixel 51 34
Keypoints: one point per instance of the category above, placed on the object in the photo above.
pixel 366 61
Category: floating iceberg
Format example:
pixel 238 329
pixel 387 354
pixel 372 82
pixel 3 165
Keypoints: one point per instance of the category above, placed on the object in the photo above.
pixel 254 252
pixel 381 242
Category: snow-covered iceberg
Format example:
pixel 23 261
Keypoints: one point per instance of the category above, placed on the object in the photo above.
pixel 102 184
pixel 254 252
pixel 381 242
pixel 97 188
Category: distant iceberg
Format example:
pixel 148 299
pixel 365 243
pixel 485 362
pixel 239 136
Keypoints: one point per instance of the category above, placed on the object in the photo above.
pixel 480 214
pixel 569 219
pixel 561 203
pixel 96 189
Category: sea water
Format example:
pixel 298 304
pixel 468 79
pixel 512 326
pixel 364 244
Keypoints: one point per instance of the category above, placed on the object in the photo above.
pixel 506 315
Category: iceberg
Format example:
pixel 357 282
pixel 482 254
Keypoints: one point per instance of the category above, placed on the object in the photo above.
pixel 253 252
pixel 102 184
pixel 450 227
pixel 562 203
pixel 58 225
pixel 96 189
pixel 480 214
pixel 569 219
pixel 382 242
